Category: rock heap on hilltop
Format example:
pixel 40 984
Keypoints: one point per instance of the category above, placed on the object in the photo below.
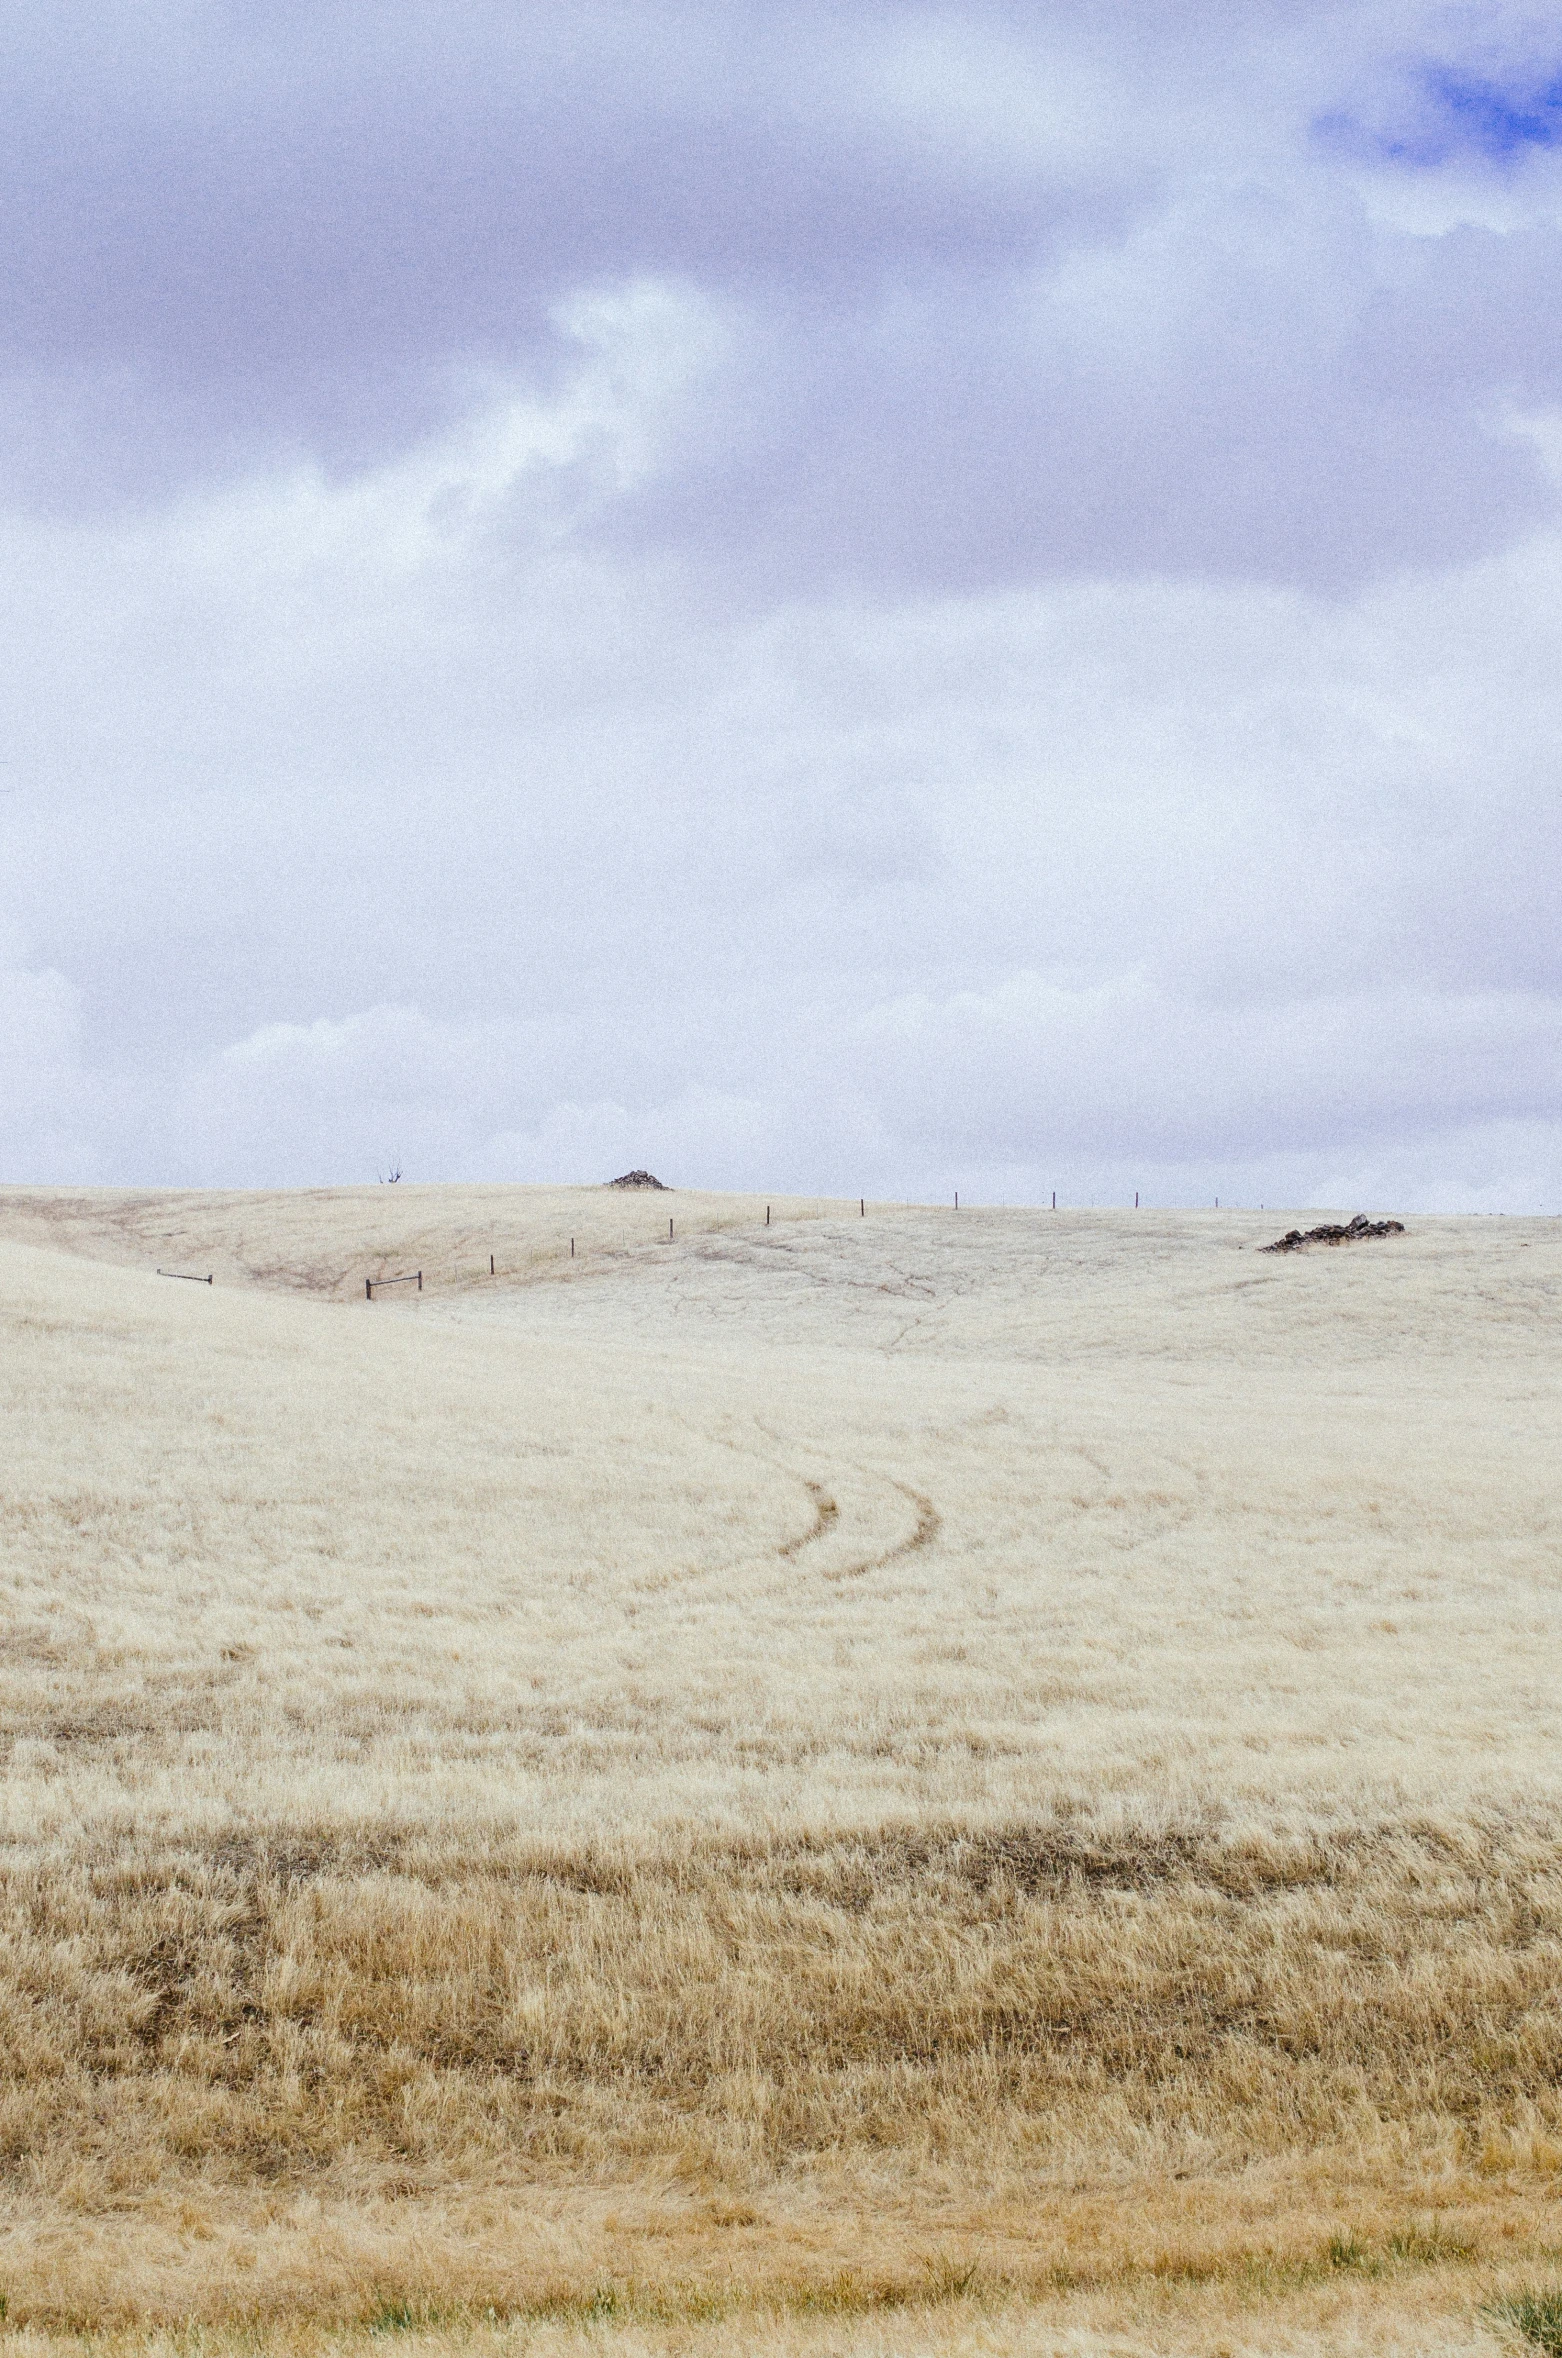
pixel 1295 1238
pixel 639 1179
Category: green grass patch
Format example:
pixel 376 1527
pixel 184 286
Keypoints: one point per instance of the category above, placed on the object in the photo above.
pixel 1536 2317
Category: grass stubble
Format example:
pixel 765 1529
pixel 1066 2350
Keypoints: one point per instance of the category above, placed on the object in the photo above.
pixel 882 1787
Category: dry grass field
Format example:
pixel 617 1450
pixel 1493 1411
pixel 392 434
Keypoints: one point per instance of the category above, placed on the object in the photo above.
pixel 928 1782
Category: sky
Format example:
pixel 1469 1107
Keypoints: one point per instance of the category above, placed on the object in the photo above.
pixel 842 597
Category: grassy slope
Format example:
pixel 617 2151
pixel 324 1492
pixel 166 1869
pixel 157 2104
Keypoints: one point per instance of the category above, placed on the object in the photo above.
pixel 849 1747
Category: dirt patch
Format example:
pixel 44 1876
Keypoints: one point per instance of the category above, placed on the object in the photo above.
pixel 1295 1240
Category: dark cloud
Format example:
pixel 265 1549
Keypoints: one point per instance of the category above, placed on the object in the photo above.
pixel 295 225
pixel 994 312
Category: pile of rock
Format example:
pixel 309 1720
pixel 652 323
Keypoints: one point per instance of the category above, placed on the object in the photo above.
pixel 1295 1238
pixel 639 1179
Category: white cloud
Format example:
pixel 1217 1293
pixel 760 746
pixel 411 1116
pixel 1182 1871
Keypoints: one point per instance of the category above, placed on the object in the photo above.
pixel 987 613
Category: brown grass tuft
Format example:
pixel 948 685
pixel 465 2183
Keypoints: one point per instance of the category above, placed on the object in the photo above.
pixel 1057 2063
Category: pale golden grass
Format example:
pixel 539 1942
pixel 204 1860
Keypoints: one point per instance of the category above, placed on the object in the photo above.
pixel 951 1782
pixel 325 1241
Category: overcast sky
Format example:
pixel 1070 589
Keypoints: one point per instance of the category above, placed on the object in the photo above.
pixel 833 597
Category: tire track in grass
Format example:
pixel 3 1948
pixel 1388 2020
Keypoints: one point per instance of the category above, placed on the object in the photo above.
pixel 928 1526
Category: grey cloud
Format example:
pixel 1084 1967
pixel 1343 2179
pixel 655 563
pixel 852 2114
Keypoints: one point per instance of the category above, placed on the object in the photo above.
pixel 985 434
pixel 1129 1070
pixel 1011 293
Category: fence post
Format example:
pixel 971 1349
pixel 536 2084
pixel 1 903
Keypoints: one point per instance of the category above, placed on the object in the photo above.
pixel 420 1281
pixel 490 1264
pixel 368 1289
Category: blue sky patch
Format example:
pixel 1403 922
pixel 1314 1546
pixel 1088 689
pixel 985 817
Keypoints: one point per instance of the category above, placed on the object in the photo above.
pixel 1459 114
